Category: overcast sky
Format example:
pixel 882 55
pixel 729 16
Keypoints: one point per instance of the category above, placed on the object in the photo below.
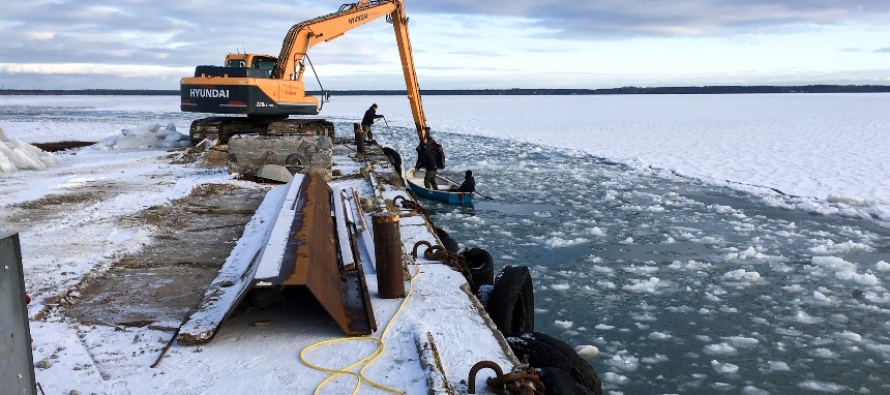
pixel 458 44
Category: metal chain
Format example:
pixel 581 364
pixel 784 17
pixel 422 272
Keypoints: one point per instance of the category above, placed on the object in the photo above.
pixel 408 204
pixel 439 253
pixel 522 379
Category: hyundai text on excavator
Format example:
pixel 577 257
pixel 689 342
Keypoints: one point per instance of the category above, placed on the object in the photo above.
pixel 268 89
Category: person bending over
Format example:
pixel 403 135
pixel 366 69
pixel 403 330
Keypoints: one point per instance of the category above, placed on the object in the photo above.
pixel 368 120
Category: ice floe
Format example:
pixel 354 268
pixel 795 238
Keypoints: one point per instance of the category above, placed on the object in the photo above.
pixel 822 352
pixel 775 366
pixel 720 349
pixel 563 324
pixel 151 135
pixel 724 368
pixel 652 285
pixel 862 279
pixel 615 378
pixel 830 247
pixel 623 362
pixel 821 386
pixel 833 263
pixel 19 155
pixel 752 390
pixel 587 351
pixel 742 275
pixel 659 336
pixel 804 318
pixel 741 341
pixel 849 336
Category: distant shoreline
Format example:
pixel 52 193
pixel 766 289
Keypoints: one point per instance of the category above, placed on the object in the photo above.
pixel 631 90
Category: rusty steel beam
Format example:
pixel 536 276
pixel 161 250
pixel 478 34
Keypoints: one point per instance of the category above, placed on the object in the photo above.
pixel 310 260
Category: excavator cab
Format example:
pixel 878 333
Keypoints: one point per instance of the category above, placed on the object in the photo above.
pixel 262 62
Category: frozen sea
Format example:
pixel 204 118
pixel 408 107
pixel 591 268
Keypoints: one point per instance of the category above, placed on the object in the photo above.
pixel 686 244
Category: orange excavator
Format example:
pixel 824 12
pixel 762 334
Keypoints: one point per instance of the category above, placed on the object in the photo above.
pixel 268 89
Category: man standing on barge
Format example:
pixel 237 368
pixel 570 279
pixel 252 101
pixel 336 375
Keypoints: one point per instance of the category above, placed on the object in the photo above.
pixel 368 120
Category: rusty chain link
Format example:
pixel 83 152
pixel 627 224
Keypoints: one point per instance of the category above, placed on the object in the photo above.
pixel 522 379
pixel 408 204
pixel 452 259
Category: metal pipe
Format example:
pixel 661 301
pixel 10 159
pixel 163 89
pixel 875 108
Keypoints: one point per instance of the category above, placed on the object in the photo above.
pixel 359 138
pixel 388 254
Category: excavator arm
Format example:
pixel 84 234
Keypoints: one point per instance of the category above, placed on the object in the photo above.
pixel 269 90
pixel 303 36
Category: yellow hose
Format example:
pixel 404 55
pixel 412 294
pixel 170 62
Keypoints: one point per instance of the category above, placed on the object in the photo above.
pixel 371 359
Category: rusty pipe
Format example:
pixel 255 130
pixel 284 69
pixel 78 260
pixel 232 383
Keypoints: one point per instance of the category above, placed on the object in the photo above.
pixel 359 138
pixel 388 254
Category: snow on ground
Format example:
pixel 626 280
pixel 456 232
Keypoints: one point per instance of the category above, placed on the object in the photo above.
pixel 99 188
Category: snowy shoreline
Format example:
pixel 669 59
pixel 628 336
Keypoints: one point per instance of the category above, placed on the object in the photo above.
pixel 821 153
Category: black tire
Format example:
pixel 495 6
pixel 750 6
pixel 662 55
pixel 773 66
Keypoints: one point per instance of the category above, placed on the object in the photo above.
pixel 545 351
pixel 393 156
pixel 512 301
pixel 481 266
pixel 441 233
pixel 558 382
pixel 447 242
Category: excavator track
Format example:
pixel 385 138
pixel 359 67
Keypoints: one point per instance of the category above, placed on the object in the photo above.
pixel 222 128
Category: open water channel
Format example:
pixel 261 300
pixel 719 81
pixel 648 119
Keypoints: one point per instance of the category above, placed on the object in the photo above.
pixel 681 286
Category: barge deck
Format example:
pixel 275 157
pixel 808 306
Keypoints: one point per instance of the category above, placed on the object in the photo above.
pixel 87 340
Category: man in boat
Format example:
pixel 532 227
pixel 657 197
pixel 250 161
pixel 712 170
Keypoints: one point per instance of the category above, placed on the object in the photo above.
pixel 469 184
pixel 429 156
pixel 368 120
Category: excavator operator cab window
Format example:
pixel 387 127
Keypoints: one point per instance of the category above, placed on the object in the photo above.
pixel 264 63
pixel 236 63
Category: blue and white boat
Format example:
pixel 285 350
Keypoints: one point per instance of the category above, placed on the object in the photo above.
pixel 446 192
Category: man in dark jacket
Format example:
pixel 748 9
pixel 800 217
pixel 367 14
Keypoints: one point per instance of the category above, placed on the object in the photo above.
pixel 428 155
pixel 469 184
pixel 368 120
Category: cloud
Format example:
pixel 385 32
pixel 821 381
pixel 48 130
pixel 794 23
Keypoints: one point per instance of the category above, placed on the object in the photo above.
pixel 600 18
pixel 883 50
pixel 163 40
pixel 94 69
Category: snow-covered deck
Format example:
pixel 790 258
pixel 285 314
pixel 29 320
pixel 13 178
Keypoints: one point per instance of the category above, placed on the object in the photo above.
pixel 425 343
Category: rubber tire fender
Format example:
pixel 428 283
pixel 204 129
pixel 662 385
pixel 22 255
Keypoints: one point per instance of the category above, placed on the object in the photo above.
pixel 558 382
pixel 511 304
pixel 447 242
pixel 393 157
pixel 545 351
pixel 481 266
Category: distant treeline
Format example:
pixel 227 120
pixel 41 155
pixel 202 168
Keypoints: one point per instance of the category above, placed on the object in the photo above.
pixel 628 90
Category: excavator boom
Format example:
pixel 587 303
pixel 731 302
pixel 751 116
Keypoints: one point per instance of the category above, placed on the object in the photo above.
pixel 269 95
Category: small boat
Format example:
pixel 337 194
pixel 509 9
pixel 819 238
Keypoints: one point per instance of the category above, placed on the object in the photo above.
pixel 443 194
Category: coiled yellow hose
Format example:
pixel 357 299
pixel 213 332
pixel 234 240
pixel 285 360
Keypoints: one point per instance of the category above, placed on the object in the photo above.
pixel 370 359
